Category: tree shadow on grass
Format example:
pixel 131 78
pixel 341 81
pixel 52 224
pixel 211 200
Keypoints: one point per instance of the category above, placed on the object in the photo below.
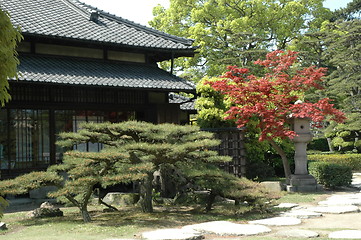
pixel 162 217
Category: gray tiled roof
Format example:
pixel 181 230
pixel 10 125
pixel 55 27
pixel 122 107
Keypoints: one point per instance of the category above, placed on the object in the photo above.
pixel 74 71
pixel 186 103
pixel 69 19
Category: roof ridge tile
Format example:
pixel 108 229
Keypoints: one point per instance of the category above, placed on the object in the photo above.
pixel 132 23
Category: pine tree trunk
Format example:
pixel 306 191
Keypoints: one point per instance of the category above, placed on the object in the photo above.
pixel 330 147
pixel 85 214
pixel 146 194
pixel 210 201
pixel 286 164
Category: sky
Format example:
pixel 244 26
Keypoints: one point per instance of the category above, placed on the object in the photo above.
pixel 140 11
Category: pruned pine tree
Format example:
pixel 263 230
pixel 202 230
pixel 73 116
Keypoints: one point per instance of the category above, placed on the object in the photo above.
pixel 87 170
pixel 221 183
pixel 23 184
pixel 78 175
pixel 151 145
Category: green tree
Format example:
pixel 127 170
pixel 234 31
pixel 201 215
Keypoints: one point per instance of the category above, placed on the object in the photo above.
pixel 335 44
pixel 271 98
pixel 78 175
pixel 231 32
pixel 212 107
pixel 155 145
pixel 9 37
pixel 344 56
pixel 221 183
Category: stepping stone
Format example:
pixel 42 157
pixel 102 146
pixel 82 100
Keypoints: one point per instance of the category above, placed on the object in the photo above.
pixel 302 214
pixel 224 228
pixel 287 205
pixel 119 239
pixel 341 202
pixel 172 234
pixel 277 221
pixel 346 234
pixel 347 199
pixel 297 233
pixel 334 209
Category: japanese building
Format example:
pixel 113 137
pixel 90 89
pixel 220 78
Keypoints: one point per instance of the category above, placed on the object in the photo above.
pixel 77 64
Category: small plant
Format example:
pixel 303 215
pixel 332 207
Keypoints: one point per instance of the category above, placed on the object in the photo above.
pixel 331 175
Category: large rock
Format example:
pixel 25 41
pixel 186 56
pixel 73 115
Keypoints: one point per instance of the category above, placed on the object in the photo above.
pixel 297 233
pixel 287 205
pixel 172 234
pixel 274 186
pixel 277 221
pixel 346 234
pixel 224 228
pixel 121 199
pixel 335 209
pixel 304 214
pixel 3 226
pixel 46 209
pixel 345 199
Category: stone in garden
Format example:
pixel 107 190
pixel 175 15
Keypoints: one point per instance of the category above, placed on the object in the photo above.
pixel 277 221
pixel 335 209
pixel 346 199
pixel 224 228
pixel 172 234
pixel 297 233
pixel 119 239
pixel 273 186
pixel 46 209
pixel 356 180
pixel 304 214
pixel 3 226
pixel 287 205
pixel 121 199
pixel 346 234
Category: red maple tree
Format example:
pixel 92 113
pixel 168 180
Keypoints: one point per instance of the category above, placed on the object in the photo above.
pixel 271 98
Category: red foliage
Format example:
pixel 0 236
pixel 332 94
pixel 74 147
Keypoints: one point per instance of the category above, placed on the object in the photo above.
pixel 271 97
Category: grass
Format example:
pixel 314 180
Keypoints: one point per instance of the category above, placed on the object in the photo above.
pixel 302 197
pixel 129 222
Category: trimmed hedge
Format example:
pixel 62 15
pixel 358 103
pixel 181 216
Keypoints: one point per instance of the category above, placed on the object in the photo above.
pixel 331 175
pixel 351 160
pixel 318 144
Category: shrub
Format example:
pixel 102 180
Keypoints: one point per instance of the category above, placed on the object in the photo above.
pixel 331 175
pixel 351 160
pixel 259 171
pixel 318 144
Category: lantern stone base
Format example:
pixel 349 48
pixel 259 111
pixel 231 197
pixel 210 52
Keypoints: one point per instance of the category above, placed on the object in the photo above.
pixel 303 183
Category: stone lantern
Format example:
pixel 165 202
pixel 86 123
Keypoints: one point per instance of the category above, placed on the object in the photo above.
pixel 301 180
pixel 302 128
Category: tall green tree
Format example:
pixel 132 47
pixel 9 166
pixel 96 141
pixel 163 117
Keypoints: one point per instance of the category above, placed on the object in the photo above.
pixel 335 44
pixel 344 81
pixel 233 32
pixel 9 38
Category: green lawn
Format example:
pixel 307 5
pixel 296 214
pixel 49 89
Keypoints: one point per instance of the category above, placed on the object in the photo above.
pixel 128 222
